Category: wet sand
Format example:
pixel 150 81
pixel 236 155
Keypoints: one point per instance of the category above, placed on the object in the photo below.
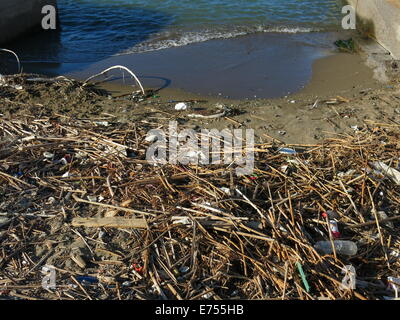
pixel 307 116
pixel 253 66
pixel 336 97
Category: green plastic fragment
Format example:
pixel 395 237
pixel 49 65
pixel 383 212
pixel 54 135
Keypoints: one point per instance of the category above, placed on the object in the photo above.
pixel 303 277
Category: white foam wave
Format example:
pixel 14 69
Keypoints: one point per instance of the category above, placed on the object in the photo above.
pixel 168 39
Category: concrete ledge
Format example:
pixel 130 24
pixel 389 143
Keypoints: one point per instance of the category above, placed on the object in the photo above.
pixel 381 20
pixel 20 16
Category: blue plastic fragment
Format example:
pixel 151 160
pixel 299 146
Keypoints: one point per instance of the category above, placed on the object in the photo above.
pixel 88 279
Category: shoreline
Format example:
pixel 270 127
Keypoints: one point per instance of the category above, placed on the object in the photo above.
pixel 73 158
pixel 269 65
pixel 290 119
pixel 337 98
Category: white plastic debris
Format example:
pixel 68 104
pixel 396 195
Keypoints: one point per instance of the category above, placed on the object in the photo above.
pixel 66 175
pixel 226 190
pixel 181 220
pixel 80 155
pixel 101 234
pixel 207 295
pixel 92 198
pixel 393 174
pixel 184 269
pixel 51 200
pixel 151 138
pixel 347 173
pixel 48 155
pixel 395 253
pixel 284 168
pixel 287 151
pixel 181 106
pixel 382 216
pixel 394 285
pixel 192 156
pixel 315 105
pixel 102 123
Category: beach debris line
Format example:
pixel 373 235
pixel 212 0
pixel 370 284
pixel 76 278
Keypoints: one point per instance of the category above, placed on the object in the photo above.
pixel 188 231
pixel 181 106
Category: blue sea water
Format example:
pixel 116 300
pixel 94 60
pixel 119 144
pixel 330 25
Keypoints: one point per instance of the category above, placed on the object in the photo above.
pixel 91 30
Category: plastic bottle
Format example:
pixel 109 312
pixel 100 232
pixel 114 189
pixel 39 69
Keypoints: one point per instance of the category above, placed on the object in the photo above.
pixel 347 248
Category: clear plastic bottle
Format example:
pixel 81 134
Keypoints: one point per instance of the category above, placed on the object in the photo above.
pixel 347 248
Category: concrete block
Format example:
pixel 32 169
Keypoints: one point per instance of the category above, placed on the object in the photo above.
pixel 381 20
pixel 20 16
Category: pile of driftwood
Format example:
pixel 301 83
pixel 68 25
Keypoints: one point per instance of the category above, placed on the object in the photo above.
pixel 80 203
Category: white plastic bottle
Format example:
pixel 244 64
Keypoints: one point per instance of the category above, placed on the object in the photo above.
pixel 347 248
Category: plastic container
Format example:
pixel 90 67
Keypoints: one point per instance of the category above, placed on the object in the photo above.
pixel 347 248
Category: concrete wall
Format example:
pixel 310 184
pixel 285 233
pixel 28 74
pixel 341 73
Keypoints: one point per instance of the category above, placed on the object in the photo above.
pixel 382 19
pixel 20 16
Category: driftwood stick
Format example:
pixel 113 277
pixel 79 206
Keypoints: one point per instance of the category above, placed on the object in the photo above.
pixel 110 222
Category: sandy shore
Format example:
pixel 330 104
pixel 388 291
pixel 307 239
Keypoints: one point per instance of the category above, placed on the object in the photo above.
pixel 64 117
pixel 341 96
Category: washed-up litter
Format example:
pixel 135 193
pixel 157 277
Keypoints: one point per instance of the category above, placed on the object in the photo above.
pixel 334 229
pixel 387 171
pixel 87 279
pixel 151 138
pixel 394 285
pixel 347 248
pixel 224 111
pixel 287 151
pixel 193 231
pixel 181 106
